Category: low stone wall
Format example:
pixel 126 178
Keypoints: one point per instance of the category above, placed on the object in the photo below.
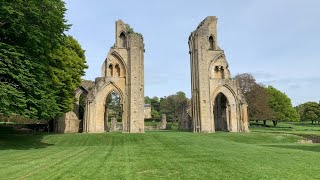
pixel 156 128
pixel 151 128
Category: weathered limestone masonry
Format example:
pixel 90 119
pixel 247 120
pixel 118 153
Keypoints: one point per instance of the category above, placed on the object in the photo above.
pixel 184 116
pixel 70 122
pixel 122 73
pixel 147 111
pixel 217 104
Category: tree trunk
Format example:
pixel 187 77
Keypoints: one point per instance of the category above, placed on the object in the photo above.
pixel 311 122
pixel 264 122
pixel 274 123
pixel 257 121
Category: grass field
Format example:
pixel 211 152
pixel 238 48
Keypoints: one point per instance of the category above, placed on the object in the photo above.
pixel 265 153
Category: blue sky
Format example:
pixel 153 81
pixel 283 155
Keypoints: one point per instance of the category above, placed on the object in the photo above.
pixel 277 41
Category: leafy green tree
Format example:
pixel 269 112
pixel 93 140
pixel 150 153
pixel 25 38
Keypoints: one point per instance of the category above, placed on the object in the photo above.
pixel 170 105
pixel 155 107
pixel 256 97
pixel 300 109
pixel 113 103
pixel 66 68
pixel 311 111
pixel 31 33
pixel 280 103
pixel 155 103
pixel 259 108
pixel 147 100
pixel 155 114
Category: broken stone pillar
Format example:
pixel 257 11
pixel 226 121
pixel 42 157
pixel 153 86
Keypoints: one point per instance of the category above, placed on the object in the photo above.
pixel 114 124
pixel 163 122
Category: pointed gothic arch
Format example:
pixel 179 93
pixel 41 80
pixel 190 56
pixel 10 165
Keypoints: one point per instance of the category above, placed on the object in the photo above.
pixel 211 43
pixel 123 40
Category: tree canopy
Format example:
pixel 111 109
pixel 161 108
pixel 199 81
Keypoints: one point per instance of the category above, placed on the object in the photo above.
pixel 280 103
pixel 309 111
pixel 265 103
pixel 168 105
pixel 256 97
pixel 39 66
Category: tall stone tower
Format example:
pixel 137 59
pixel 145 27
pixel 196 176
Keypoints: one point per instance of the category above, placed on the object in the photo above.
pixel 123 74
pixel 217 104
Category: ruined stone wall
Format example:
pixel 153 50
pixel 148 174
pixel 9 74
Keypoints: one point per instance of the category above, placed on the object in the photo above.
pixel 136 83
pixel 122 72
pixel 68 123
pixel 184 117
pixel 147 111
pixel 209 77
pixel 201 54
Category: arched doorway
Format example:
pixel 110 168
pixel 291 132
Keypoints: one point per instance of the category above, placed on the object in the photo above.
pixel 221 113
pixel 82 104
pixel 113 112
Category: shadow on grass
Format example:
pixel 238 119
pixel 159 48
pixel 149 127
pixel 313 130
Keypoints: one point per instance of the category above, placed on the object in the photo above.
pixel 306 124
pixel 10 139
pixel 309 147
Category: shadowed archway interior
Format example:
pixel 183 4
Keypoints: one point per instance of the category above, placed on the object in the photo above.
pixel 221 113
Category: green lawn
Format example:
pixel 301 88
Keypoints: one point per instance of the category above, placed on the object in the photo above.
pixel 158 155
pixel 289 127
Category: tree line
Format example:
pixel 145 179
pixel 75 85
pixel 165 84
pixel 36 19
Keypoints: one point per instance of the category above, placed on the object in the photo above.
pixel 168 105
pixel 265 103
pixel 40 66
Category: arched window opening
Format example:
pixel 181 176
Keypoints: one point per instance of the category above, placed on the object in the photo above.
pixel 110 69
pixel 117 70
pixel 221 113
pixel 123 40
pixel 113 112
pixel 211 43
pixel 222 72
pixel 218 72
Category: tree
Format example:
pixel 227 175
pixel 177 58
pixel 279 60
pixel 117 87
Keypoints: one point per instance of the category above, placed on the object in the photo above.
pixel 155 103
pixel 31 33
pixel 256 96
pixel 66 68
pixel 170 105
pixel 310 111
pixel 155 107
pixel 300 109
pixel 147 100
pixel 280 103
pixel 155 114
pixel 113 103
pixel 246 82
pixel 259 108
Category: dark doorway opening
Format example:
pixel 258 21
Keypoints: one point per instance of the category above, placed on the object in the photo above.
pixel 82 106
pixel 221 113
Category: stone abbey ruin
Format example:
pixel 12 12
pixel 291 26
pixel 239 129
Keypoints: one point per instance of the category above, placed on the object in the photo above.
pixel 122 75
pixel 216 103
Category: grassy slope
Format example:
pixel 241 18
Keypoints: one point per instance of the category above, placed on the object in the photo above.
pixel 156 155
